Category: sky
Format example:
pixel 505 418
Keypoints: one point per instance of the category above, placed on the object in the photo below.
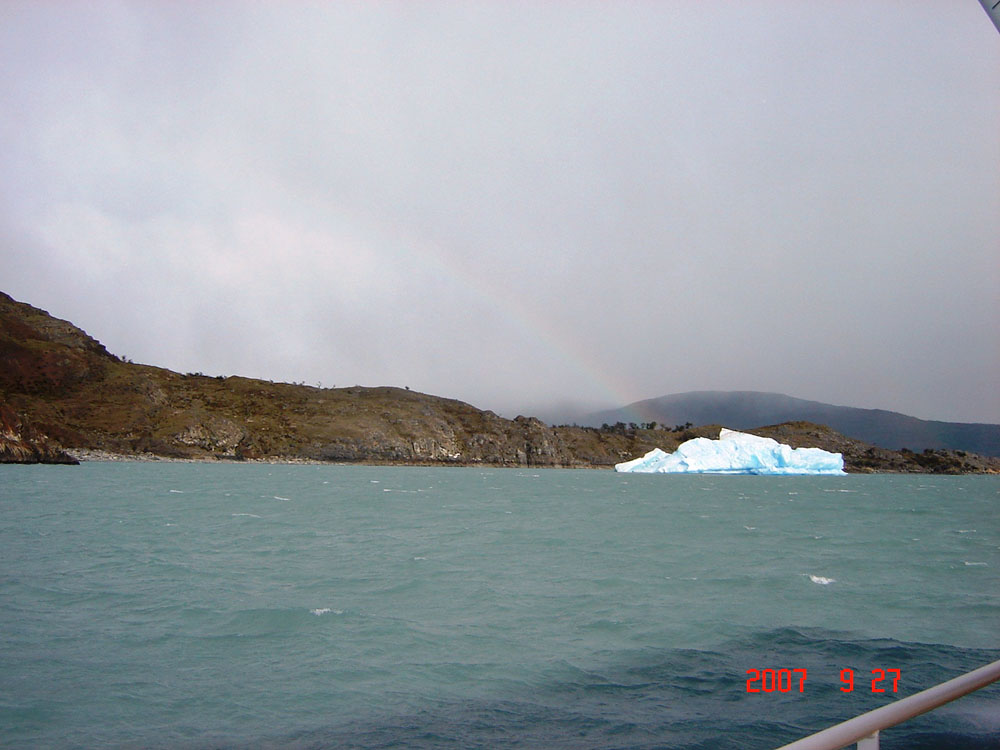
pixel 522 205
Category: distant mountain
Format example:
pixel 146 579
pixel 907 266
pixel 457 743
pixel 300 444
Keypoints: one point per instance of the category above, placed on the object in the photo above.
pixel 742 410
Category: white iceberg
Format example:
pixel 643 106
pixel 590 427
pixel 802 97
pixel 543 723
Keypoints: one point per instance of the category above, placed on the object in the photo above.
pixel 736 453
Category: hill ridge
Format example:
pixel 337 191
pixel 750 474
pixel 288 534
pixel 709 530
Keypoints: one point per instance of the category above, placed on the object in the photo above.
pixel 745 409
pixel 60 384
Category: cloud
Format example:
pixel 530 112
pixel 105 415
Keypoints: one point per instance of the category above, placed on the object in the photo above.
pixel 517 203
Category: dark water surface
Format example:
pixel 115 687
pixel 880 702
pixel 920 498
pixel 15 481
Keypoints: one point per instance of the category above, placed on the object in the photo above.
pixel 237 606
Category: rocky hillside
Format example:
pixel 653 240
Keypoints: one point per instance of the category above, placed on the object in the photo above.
pixel 21 443
pixel 63 393
pixel 77 395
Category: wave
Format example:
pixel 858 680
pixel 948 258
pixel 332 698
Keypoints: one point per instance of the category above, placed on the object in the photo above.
pixel 821 580
pixel 687 699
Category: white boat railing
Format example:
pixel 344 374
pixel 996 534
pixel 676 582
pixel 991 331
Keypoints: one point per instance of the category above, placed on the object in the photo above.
pixel 864 729
pixel 992 8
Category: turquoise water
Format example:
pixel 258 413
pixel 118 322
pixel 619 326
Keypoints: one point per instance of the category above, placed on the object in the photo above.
pixel 207 606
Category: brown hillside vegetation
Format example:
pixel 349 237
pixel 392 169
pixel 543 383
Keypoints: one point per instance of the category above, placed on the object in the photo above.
pixel 61 389
pixel 76 394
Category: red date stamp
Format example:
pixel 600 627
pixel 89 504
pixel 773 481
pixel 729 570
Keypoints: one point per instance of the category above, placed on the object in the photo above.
pixel 787 680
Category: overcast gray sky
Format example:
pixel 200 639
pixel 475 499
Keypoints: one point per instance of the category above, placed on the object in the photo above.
pixel 517 203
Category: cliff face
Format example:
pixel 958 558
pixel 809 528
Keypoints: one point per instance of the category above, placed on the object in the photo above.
pixel 79 396
pixel 20 443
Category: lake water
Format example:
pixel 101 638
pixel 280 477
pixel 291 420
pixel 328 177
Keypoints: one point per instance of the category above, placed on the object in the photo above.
pixel 172 605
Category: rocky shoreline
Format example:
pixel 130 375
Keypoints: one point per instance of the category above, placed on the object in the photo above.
pixel 87 455
pixel 24 445
pixel 860 459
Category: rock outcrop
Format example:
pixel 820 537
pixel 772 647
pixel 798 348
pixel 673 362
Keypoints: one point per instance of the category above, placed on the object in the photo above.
pixel 20 443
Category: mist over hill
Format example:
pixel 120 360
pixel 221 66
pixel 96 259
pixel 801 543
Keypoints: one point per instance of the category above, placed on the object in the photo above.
pixel 746 409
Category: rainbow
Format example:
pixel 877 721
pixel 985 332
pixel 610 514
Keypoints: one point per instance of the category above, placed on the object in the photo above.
pixel 617 390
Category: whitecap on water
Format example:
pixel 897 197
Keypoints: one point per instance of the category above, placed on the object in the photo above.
pixel 821 580
pixel 277 497
pixel 251 515
pixel 975 563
